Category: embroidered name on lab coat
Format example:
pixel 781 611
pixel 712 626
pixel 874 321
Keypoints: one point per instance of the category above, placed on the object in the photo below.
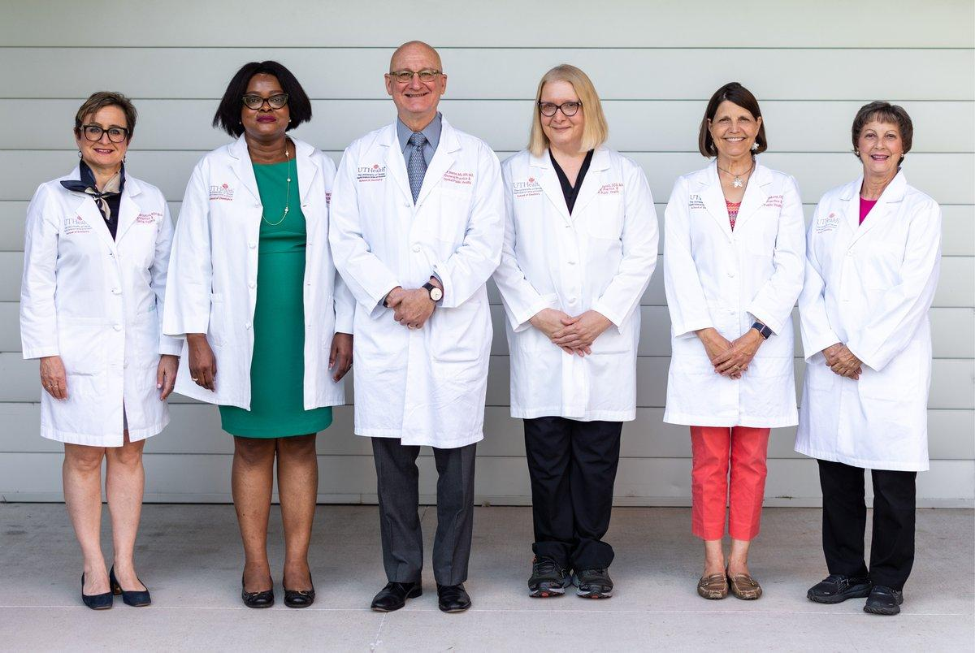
pixel 460 178
pixel 76 225
pixel 695 202
pixel 148 218
pixel 375 172
pixel 826 223
pixel 222 192
pixel 528 188
pixel 774 201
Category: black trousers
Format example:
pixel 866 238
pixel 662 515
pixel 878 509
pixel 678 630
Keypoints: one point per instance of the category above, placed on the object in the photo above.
pixel 573 469
pixel 845 519
pixel 399 522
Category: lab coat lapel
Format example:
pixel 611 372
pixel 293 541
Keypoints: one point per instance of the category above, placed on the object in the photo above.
pixel 548 179
pixel 306 168
pixel 89 212
pixel 128 209
pixel 395 162
pixel 709 189
pixel 593 180
pixel 442 159
pixel 243 167
pixel 893 194
pixel 756 194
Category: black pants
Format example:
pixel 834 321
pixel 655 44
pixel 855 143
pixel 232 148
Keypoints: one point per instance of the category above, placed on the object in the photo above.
pixel 573 469
pixel 399 522
pixel 845 519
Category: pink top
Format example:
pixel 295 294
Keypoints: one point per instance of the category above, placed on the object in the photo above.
pixel 865 206
pixel 733 212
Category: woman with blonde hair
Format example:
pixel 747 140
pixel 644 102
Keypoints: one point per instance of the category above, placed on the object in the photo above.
pixel 580 247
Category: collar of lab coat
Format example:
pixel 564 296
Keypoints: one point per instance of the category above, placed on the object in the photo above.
pixel 756 194
pixel 88 211
pixel 548 179
pixel 893 194
pixel 443 158
pixel 306 166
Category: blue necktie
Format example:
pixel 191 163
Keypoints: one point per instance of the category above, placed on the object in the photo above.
pixel 416 167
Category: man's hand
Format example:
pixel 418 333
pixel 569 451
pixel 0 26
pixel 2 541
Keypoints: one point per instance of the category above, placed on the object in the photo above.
pixel 738 357
pixel 411 308
pixel 551 321
pixel 578 333
pixel 340 356
pixel 203 364
pixel 166 375
pixel 842 361
pixel 53 377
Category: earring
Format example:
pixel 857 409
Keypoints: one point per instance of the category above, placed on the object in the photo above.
pixel 79 154
pixel 754 146
pixel 289 121
pixel 857 152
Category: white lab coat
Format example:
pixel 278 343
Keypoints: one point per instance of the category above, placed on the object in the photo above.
pixel 598 258
pixel 213 274
pixel 870 287
pixel 97 303
pixel 424 386
pixel 716 277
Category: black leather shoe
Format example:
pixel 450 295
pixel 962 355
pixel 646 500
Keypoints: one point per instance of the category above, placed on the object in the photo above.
pixel 96 601
pixel 263 599
pixel 593 583
pixel 548 579
pixel 136 599
pixel 299 598
pixel 884 600
pixel 837 588
pixel 453 598
pixel 394 595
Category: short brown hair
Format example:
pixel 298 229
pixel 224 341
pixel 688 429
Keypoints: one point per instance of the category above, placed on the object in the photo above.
pixel 736 94
pixel 595 132
pixel 103 99
pixel 883 112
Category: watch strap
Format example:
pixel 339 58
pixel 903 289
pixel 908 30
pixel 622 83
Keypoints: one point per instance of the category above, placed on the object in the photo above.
pixel 763 329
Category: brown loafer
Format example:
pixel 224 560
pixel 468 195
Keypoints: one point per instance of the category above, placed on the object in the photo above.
pixel 713 587
pixel 745 587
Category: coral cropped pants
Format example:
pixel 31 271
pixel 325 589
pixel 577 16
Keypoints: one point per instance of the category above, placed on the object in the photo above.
pixel 715 449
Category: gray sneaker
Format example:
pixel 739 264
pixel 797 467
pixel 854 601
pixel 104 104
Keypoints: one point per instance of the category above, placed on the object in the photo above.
pixel 593 583
pixel 548 579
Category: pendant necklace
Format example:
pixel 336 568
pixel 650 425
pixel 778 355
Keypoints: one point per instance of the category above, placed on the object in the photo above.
pixel 737 181
pixel 287 205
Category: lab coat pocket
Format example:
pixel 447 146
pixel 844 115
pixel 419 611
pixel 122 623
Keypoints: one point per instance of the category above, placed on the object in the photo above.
pixel 606 221
pixel 82 345
pixel 897 382
pixel 216 333
pixel 457 335
pixel 879 264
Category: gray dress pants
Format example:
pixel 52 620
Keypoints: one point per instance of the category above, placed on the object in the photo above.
pixel 398 481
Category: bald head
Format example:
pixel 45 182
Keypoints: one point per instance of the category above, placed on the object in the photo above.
pixel 413 50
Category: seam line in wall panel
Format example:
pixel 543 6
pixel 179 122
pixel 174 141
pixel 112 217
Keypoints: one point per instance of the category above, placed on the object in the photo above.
pixel 36 46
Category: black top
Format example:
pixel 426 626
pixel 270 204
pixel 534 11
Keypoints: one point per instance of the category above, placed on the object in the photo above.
pixel 568 191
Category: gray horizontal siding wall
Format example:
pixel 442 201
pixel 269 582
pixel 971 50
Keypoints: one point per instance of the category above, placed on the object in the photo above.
pixel 655 65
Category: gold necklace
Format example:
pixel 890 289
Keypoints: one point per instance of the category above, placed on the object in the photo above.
pixel 287 205
pixel 737 182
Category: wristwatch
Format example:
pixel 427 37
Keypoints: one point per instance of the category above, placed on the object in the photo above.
pixel 435 293
pixel 762 329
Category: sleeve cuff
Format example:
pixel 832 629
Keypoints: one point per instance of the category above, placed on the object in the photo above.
pixel 379 307
pixel 689 329
pixel 522 322
pixel 766 319
pixel 169 346
pixel 608 313
pixel 41 352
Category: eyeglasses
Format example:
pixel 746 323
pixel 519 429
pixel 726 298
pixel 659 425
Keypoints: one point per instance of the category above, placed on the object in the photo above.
pixel 549 109
pixel 94 133
pixel 255 102
pixel 406 76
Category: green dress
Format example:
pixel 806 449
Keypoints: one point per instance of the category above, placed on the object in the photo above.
pixel 278 367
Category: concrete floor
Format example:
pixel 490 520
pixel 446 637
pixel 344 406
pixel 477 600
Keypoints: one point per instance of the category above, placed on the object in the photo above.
pixel 190 557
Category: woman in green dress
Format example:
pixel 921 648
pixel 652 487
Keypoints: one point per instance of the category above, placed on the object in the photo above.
pixel 267 321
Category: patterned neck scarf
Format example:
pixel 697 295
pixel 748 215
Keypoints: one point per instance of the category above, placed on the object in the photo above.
pixel 113 188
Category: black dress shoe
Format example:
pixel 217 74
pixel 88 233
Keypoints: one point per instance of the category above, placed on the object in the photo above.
pixel 884 600
pixel 394 595
pixel 96 601
pixel 136 599
pixel 299 598
pixel 264 599
pixel 453 598
pixel 837 588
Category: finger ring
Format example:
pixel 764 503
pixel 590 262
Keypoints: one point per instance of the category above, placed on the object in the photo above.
pixel 194 380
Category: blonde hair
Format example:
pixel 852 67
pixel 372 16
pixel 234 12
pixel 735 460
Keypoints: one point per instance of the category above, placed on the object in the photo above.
pixel 594 133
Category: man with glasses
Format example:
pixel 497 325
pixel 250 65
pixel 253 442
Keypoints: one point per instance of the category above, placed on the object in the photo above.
pixel 416 231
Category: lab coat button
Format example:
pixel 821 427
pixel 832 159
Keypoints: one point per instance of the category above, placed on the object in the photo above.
pixel 731 273
pixel 572 262
pixel 252 284
pixel 572 300
pixel 247 325
pixel 416 247
pixel 252 244
pixel 116 291
pixel 117 327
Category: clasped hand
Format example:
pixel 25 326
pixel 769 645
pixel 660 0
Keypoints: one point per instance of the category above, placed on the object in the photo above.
pixel 842 361
pixel 730 358
pixel 574 335
pixel 411 308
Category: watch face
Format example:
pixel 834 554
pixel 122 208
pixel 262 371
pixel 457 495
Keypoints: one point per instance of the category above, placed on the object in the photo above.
pixel 436 294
